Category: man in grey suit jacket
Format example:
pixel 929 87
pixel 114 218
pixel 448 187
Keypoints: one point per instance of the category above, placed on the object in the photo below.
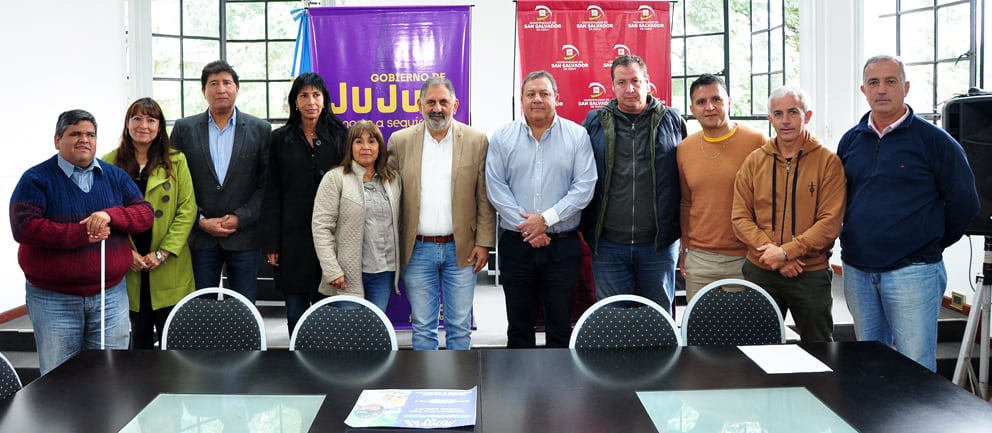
pixel 227 151
pixel 446 222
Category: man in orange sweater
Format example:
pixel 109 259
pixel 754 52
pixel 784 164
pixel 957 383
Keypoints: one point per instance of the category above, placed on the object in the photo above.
pixel 788 208
pixel 708 161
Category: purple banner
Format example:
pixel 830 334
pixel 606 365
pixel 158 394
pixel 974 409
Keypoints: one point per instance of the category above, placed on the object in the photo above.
pixel 375 59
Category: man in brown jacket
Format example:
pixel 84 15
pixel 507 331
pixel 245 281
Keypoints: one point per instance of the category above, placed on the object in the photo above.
pixel 788 208
pixel 446 222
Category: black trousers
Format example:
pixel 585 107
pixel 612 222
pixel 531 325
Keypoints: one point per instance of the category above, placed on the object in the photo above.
pixel 535 276
pixel 147 324
pixel 807 296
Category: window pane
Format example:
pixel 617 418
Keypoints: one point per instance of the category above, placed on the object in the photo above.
pixel 165 57
pixel 200 18
pixel 678 24
pixel 246 21
pixel 921 80
pixel 280 60
pixel 703 16
pixel 165 17
pixel 678 56
pixel 913 4
pixel 952 40
pixel 952 80
pixel 776 55
pixel 678 95
pixel 196 54
pixel 759 92
pixel 775 19
pixel 193 101
pixel 281 24
pixel 916 44
pixel 759 57
pixel 777 80
pixel 740 94
pixel 166 93
pixel 882 34
pixel 248 58
pixel 252 99
pixel 278 104
pixel 712 62
pixel 759 14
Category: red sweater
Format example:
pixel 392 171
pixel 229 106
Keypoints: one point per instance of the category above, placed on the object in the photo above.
pixel 55 252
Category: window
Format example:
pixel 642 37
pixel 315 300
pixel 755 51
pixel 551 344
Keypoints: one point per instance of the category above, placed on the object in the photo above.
pixel 255 37
pixel 941 58
pixel 753 45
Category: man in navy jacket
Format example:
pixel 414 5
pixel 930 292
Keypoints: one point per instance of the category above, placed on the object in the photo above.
pixel 910 194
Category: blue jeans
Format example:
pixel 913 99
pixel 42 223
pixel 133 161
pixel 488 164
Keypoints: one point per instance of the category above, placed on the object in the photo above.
pixel 241 269
pixel 433 272
pixel 64 325
pixel 618 268
pixel 378 287
pixel 898 307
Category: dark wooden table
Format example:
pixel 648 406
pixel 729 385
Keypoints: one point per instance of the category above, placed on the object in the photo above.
pixel 872 387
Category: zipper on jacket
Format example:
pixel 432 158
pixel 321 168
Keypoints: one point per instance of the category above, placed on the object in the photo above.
pixel 633 183
pixel 785 206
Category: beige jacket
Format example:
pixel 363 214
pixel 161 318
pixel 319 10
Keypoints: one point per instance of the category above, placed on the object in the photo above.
pixel 339 227
pixel 473 217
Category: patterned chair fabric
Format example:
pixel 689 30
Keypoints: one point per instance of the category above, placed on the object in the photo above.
pixel 343 323
pixel 718 317
pixel 10 382
pixel 203 322
pixel 625 322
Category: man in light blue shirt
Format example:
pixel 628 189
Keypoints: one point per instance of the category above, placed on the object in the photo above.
pixel 227 152
pixel 540 174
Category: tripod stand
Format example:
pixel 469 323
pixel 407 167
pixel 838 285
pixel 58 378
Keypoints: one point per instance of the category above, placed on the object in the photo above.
pixel 981 310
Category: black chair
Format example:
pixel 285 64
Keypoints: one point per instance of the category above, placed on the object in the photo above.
pixel 214 319
pixel 343 323
pixel 748 316
pixel 10 382
pixel 625 322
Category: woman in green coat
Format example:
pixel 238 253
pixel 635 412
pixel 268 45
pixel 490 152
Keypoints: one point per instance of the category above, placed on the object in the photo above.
pixel 161 271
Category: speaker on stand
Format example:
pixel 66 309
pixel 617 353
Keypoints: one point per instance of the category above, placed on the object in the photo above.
pixel 969 120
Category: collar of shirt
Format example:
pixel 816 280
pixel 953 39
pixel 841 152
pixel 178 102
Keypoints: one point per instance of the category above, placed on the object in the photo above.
pixel 68 168
pixel 230 122
pixel 526 126
pixel 428 138
pixel 888 129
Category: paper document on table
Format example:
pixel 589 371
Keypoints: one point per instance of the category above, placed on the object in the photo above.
pixel 416 408
pixel 783 358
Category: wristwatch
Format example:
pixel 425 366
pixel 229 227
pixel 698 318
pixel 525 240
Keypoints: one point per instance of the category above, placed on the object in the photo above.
pixel 160 257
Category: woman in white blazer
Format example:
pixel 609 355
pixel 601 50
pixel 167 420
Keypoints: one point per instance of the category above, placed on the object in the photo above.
pixel 356 220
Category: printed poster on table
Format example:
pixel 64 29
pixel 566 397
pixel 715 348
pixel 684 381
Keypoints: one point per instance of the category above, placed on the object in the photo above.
pixel 417 408
pixel 577 41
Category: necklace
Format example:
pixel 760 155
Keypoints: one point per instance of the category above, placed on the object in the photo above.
pixel 702 148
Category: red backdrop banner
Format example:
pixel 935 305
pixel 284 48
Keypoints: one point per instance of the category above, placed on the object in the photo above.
pixel 576 41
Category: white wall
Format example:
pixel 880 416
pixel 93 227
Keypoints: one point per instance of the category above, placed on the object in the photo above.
pixel 57 56
pixel 71 54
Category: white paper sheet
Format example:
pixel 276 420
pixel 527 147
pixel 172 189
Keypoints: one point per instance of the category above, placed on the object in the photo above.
pixel 784 358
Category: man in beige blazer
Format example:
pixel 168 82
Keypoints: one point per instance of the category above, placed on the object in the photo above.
pixel 446 222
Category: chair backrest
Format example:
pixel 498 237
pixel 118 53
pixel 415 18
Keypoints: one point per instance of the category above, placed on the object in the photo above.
pixel 718 317
pixel 343 322
pixel 10 382
pixel 625 322
pixel 224 321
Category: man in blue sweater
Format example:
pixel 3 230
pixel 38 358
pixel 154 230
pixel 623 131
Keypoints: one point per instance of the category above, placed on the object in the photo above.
pixel 910 194
pixel 60 211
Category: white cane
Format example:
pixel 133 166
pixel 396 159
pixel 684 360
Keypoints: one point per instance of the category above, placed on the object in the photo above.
pixel 103 294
